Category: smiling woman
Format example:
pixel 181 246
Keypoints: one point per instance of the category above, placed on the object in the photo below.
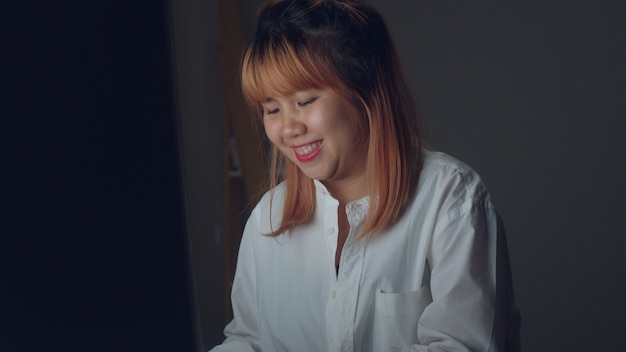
pixel 365 240
pixel 344 46
pixel 315 130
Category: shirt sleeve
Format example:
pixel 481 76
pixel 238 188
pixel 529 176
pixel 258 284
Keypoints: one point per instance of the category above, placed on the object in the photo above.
pixel 471 307
pixel 242 332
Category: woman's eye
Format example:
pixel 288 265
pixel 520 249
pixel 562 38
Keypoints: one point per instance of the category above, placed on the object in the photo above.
pixel 271 111
pixel 307 102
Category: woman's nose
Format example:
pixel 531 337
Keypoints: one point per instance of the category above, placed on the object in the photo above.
pixel 292 126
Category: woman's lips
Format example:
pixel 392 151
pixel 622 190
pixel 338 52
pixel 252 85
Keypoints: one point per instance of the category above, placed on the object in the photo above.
pixel 307 152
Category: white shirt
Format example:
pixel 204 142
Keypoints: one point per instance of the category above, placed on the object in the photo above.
pixel 437 280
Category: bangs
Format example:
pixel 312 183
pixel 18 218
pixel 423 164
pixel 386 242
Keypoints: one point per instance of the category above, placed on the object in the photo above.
pixel 280 69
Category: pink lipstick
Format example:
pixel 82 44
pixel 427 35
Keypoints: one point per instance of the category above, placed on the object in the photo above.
pixel 307 152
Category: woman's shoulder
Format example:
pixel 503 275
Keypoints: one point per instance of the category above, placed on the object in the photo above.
pixel 449 175
pixel 439 161
pixel 269 197
pixel 268 211
pixel 436 163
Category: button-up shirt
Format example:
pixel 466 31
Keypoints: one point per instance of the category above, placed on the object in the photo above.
pixel 438 279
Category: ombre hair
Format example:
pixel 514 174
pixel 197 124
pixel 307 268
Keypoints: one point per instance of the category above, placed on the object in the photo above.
pixel 345 46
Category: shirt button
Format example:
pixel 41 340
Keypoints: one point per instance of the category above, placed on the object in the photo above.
pixel 330 230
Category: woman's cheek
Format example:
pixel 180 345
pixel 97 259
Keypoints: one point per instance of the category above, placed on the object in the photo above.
pixel 270 130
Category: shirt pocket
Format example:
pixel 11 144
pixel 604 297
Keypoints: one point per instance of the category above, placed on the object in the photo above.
pixel 397 315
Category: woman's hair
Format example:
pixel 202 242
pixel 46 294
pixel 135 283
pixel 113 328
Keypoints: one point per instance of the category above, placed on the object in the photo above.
pixel 345 46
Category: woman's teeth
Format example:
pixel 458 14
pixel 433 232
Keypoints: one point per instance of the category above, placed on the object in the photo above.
pixel 308 149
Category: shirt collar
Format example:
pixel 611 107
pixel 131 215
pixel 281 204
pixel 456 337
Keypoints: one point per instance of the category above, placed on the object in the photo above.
pixel 356 210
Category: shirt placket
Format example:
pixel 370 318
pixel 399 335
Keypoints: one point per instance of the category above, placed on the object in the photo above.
pixel 343 298
pixel 334 320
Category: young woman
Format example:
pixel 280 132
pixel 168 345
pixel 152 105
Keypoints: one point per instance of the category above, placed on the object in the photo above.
pixel 366 241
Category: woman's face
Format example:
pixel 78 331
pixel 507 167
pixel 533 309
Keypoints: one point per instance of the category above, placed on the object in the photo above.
pixel 317 129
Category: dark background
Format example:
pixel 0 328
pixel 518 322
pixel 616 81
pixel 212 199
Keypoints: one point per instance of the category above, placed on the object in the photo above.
pixel 94 248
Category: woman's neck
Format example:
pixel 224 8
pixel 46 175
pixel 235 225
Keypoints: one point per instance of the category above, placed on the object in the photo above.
pixel 346 191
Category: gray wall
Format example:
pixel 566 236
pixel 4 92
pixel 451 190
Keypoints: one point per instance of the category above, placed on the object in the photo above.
pixel 530 94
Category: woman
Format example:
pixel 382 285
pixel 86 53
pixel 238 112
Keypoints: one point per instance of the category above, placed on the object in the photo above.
pixel 366 241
